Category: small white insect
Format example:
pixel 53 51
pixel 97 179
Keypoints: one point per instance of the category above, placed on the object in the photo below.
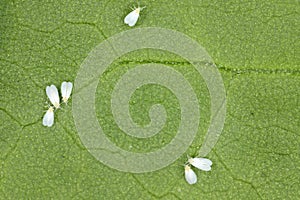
pixel 48 118
pixel 201 163
pixel 66 89
pixel 52 94
pixel 190 175
pixel 133 16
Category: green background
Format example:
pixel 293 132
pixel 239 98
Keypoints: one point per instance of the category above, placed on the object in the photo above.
pixel 255 45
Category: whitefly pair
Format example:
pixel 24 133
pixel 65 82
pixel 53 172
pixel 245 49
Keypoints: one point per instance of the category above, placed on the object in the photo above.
pixel 52 93
pixel 200 163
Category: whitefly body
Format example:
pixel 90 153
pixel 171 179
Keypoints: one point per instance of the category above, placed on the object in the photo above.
pixel 201 163
pixel 190 175
pixel 66 89
pixel 48 118
pixel 52 94
pixel 133 17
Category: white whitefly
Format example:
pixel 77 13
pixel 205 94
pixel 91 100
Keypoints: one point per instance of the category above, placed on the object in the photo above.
pixel 48 118
pixel 52 94
pixel 66 89
pixel 201 163
pixel 133 16
pixel 190 175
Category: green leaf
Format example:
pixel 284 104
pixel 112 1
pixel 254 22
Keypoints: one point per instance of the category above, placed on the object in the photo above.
pixel 255 45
